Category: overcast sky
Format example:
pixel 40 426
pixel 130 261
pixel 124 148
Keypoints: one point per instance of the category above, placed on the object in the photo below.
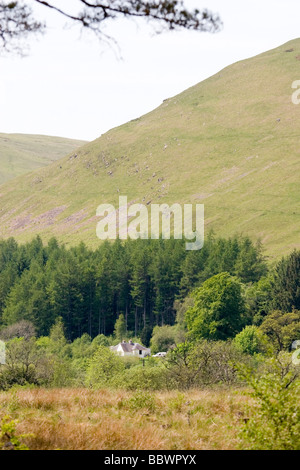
pixel 72 86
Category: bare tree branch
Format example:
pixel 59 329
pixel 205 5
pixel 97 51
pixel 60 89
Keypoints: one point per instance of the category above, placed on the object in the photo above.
pixel 17 20
pixel 16 24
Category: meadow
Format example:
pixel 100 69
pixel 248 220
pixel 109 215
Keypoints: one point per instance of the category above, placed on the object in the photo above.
pixel 23 153
pixel 82 419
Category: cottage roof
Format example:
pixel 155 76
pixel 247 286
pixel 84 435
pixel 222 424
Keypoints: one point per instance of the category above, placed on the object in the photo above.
pixel 126 347
pixel 139 347
pixel 129 347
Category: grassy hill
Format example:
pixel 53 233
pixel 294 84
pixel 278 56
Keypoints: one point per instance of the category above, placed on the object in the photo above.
pixel 22 153
pixel 230 142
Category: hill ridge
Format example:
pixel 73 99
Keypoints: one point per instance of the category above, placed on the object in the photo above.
pixel 230 142
pixel 21 153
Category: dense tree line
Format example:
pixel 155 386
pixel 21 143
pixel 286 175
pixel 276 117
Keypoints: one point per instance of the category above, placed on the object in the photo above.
pixel 90 289
pixel 223 318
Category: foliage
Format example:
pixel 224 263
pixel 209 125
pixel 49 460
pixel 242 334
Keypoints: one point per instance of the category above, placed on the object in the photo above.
pixel 274 421
pixel 16 23
pixel 282 329
pixel 146 335
pixel 90 289
pixel 9 439
pixel 72 299
pixel 25 364
pixel 141 401
pixel 22 329
pixel 57 337
pixel 236 255
pixel 163 338
pixel 258 299
pixel 204 363
pixel 17 20
pixel 251 340
pixel 130 361
pixel 181 306
pixel 63 374
pixel 142 379
pixel 103 368
pixel 286 283
pixel 120 330
pixel 177 403
pixel 100 340
pixel 218 310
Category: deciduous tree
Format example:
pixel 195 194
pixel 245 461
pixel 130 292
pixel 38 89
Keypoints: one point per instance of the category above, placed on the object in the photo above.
pixel 218 309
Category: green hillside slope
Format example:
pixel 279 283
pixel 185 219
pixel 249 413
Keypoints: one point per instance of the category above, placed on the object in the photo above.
pixel 231 142
pixel 22 153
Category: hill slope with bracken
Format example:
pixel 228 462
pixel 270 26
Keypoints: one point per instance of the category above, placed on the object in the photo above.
pixel 23 153
pixel 230 142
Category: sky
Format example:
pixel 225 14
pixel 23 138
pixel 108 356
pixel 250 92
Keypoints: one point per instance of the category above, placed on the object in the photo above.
pixel 71 85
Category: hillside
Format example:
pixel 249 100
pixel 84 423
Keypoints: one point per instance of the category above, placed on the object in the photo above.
pixel 230 142
pixel 22 153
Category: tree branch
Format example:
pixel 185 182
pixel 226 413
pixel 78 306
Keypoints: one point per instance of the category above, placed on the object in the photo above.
pixel 17 20
pixel 16 24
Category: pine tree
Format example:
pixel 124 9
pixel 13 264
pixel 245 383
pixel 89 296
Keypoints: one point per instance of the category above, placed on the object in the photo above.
pixel 286 285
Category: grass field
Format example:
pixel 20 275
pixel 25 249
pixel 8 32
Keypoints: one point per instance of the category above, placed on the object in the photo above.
pixel 22 153
pixel 80 419
pixel 230 142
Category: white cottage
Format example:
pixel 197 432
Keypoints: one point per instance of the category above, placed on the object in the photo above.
pixel 131 349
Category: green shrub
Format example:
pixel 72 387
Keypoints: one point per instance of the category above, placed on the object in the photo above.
pixel 142 378
pixel 63 374
pixel 27 362
pixel 203 363
pixel 251 340
pixel 282 329
pixel 274 420
pixel 163 338
pixel 103 368
pixel 9 440
pixel 176 404
pixel 141 400
pixel 130 361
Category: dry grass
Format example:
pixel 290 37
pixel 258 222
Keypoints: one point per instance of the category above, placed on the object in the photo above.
pixel 80 419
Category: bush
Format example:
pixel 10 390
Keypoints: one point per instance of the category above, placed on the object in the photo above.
pixel 142 378
pixel 176 404
pixel 163 338
pixel 274 421
pixel 22 329
pixel 282 329
pixel 103 368
pixel 205 363
pixel 130 361
pixel 63 374
pixel 9 440
pixel 251 340
pixel 25 364
pixel 101 340
pixel 141 400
